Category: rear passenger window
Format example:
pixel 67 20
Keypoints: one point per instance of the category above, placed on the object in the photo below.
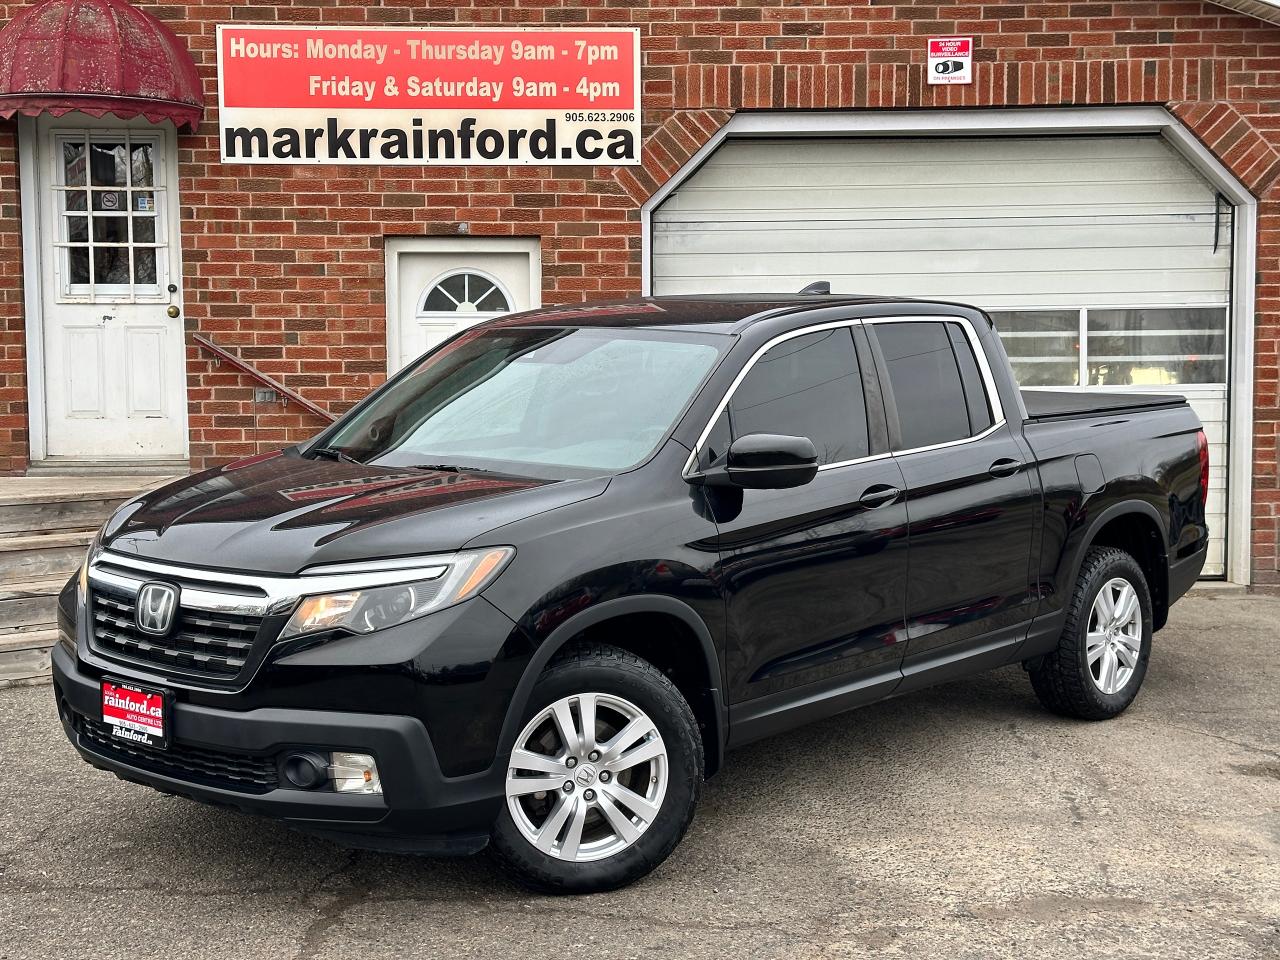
pixel 808 386
pixel 936 386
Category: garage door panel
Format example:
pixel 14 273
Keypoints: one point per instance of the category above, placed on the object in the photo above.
pixel 1023 224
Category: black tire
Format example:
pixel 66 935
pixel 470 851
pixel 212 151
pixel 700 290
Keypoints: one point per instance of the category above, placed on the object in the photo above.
pixel 1063 680
pixel 599 668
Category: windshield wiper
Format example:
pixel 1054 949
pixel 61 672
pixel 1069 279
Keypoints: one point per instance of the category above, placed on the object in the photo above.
pixel 448 468
pixel 333 453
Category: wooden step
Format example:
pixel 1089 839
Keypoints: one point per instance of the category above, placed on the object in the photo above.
pixel 29 604
pixel 76 467
pixel 42 556
pixel 49 504
pixel 25 656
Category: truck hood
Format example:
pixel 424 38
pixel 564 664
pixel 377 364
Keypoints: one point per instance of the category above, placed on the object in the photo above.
pixel 279 513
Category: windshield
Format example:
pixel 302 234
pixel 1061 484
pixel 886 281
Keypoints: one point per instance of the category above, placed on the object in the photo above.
pixel 537 401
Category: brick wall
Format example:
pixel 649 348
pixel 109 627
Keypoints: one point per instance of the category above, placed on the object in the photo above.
pixel 286 263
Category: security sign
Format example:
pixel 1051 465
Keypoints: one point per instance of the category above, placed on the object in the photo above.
pixel 951 60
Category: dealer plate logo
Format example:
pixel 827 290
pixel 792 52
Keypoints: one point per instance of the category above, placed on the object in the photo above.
pixel 156 606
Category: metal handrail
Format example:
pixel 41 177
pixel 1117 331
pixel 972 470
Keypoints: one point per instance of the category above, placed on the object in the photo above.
pixel 245 367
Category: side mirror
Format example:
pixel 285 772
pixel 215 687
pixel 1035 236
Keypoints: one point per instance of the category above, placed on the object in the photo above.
pixel 765 461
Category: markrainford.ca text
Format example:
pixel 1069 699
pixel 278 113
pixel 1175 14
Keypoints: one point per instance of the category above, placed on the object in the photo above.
pixel 467 141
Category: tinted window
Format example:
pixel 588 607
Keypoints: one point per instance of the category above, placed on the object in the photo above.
pixel 929 383
pixel 808 386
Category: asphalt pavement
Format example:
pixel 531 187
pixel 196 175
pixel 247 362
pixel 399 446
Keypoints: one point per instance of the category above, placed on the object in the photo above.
pixel 959 822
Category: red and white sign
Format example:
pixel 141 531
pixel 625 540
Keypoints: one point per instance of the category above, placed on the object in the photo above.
pixel 950 60
pixel 404 95
pixel 133 714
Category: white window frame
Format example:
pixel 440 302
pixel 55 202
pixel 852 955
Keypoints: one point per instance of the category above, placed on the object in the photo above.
pixel 1052 121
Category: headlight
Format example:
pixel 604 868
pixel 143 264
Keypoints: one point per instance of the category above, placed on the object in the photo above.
pixel 368 609
pixel 95 548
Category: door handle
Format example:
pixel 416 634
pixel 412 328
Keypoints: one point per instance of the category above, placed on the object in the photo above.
pixel 880 495
pixel 1005 467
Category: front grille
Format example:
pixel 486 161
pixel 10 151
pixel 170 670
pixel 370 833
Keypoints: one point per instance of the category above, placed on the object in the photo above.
pixel 202 643
pixel 231 771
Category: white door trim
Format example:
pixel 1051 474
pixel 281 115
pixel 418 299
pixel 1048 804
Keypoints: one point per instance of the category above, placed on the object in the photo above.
pixel 396 247
pixel 1053 121
pixel 30 174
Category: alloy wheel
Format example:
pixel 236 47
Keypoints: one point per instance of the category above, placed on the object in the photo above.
pixel 587 777
pixel 1113 643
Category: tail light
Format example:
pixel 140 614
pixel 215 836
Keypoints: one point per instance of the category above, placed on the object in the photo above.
pixel 1202 448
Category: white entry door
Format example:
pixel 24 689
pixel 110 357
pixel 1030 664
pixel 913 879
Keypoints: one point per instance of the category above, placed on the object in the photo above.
pixel 437 286
pixel 114 360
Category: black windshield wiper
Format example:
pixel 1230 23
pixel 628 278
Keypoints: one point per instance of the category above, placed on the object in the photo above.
pixel 333 453
pixel 448 468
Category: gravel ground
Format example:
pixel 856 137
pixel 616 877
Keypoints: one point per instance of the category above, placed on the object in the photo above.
pixel 960 822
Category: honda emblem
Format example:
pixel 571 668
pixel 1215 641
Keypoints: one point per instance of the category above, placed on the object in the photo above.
pixel 156 606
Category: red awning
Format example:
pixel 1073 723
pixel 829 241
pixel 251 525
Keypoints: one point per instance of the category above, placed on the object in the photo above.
pixel 98 57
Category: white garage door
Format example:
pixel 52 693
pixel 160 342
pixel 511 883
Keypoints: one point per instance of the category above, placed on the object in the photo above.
pixel 1105 261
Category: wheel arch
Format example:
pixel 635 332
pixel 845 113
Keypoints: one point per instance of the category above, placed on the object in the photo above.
pixel 1136 527
pixel 694 667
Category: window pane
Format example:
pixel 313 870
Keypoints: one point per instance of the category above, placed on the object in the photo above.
pixel 74 200
pixel 110 200
pixel 107 165
pixel 1043 346
pixel 110 265
pixel 975 393
pixel 73 165
pixel 78 265
pixel 493 300
pixel 110 230
pixel 144 229
pixel 1153 347
pixel 925 381
pixel 807 387
pixel 144 201
pixel 141 169
pixel 77 229
pixel 144 265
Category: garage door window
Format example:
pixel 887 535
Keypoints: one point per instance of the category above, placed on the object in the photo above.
pixel 1111 347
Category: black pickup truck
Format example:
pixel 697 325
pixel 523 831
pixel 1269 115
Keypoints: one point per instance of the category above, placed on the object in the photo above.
pixel 527 593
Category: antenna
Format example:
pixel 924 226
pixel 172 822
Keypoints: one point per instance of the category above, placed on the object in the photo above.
pixel 817 287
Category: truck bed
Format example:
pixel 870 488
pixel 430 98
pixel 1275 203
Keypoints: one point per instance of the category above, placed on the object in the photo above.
pixel 1070 404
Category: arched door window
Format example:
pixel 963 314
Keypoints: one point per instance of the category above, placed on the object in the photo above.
pixel 464 292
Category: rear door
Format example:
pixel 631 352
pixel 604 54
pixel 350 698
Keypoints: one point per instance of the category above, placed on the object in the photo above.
pixel 970 501
pixel 815 576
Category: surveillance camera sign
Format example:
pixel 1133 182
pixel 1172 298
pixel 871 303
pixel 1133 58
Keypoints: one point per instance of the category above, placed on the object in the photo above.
pixel 950 60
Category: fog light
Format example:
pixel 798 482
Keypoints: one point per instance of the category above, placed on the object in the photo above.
pixel 354 773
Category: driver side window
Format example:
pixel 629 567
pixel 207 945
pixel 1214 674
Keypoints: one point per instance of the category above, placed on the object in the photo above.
pixel 808 386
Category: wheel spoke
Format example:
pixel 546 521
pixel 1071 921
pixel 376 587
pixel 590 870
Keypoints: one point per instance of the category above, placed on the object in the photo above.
pixel 564 724
pixel 635 730
pixel 573 835
pixel 522 786
pixel 637 804
pixel 620 822
pixel 1125 605
pixel 536 762
pixel 546 836
pixel 1107 677
pixel 1105 605
pixel 1128 656
pixel 646 751
pixel 1095 644
pixel 587 710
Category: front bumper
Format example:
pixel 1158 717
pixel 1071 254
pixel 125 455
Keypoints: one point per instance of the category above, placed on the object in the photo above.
pixel 420 810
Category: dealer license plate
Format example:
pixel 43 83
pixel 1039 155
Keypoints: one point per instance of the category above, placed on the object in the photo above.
pixel 135 714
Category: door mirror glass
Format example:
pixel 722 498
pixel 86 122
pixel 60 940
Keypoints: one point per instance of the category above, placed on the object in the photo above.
pixel 765 461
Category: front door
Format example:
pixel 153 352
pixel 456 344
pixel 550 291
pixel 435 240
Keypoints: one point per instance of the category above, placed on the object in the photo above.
pixel 815 576
pixel 114 360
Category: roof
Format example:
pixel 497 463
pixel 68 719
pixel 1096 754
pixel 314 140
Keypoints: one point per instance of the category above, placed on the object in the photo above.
pixel 99 57
pixel 1268 10
pixel 711 312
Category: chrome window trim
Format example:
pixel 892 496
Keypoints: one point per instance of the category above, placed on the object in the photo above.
pixel 261 595
pixel 980 357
